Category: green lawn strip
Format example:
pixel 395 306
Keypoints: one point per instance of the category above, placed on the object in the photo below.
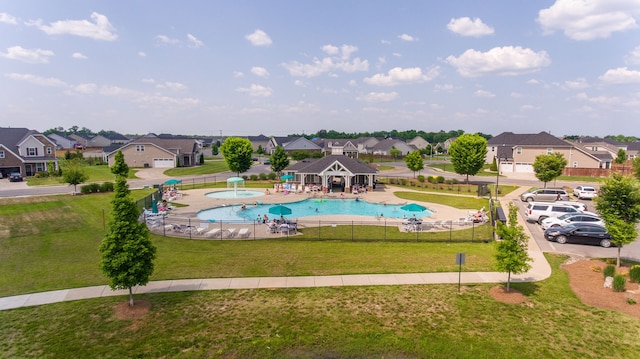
pixel 461 202
pixel 209 167
pixel 385 167
pixel 412 321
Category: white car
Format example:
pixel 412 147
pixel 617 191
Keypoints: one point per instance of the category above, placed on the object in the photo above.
pixel 585 192
pixel 571 218
pixel 575 204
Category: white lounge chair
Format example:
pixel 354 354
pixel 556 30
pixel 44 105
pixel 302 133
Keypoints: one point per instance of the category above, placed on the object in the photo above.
pixel 229 233
pixel 243 233
pixel 214 233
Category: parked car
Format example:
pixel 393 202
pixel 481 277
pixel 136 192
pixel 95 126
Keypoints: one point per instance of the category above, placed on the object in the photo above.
pixel 545 195
pixel 581 233
pixel 577 205
pixel 569 218
pixel 267 161
pixel 15 177
pixel 538 211
pixel 585 192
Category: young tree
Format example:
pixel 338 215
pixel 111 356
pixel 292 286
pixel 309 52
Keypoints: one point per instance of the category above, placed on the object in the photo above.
pixel 549 167
pixel 214 150
pixel 395 153
pixel 237 153
pixel 279 160
pixel 73 174
pixel 414 161
pixel 467 154
pixel 511 252
pixel 618 203
pixel 636 167
pixel 622 156
pixel 127 254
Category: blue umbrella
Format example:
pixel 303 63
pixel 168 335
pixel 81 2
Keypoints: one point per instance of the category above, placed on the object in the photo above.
pixel 287 177
pixel 413 207
pixel 173 181
pixel 280 210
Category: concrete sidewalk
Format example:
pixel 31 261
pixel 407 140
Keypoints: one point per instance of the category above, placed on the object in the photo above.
pixel 540 269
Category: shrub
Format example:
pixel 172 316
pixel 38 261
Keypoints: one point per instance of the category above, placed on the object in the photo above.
pixel 106 187
pixel 609 271
pixel 263 176
pixel 90 188
pixel 454 181
pixel 618 283
pixel 272 176
pixel 254 177
pixel 421 178
pixel 245 177
pixel 631 301
pixel 440 179
pixel 634 274
pixel 432 179
pixel 403 181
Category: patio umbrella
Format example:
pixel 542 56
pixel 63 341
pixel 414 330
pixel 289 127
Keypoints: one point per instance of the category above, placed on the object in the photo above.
pixel 173 181
pixel 280 210
pixel 154 204
pixel 287 177
pixel 413 207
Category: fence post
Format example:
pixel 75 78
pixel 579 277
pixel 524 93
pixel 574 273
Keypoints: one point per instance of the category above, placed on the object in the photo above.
pixel 385 231
pixel 352 228
pixel 450 231
pixel 190 228
pixel 319 229
pixel 473 230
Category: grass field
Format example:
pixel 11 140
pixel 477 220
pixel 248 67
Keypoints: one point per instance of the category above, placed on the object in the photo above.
pixel 419 321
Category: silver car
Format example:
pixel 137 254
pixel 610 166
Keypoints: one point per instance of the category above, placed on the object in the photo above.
pixel 545 195
pixel 568 218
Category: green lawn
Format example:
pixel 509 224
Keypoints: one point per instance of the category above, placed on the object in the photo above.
pixel 209 167
pixel 413 321
pixel 95 173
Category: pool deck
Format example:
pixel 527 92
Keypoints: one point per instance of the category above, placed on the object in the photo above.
pixel 196 200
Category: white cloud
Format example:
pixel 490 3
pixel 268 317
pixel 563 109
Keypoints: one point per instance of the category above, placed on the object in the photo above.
pixel 163 39
pixel 516 95
pixel 507 60
pixel 385 42
pixel 378 97
pixel 85 88
pixel 299 83
pixel 145 99
pixel 99 29
pixel 466 27
pixel 31 56
pixel 176 86
pixel 577 84
pixel 445 87
pixel 408 38
pixel 148 81
pixel 260 71
pixel 238 74
pixel 8 19
pixel 484 94
pixel 533 82
pixel 257 91
pixel 37 80
pixel 398 76
pixel 621 75
pixel 79 56
pixel 142 54
pixel 436 106
pixel 194 42
pixel 589 19
pixel 259 38
pixel 633 58
pixel 529 107
pixel 339 59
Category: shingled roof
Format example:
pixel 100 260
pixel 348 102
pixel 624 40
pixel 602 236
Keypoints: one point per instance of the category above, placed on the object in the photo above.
pixel 321 164
pixel 542 139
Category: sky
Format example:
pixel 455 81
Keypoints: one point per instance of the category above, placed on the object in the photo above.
pixel 278 67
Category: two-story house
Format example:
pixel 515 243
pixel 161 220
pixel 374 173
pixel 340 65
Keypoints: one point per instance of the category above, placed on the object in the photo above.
pixel 26 151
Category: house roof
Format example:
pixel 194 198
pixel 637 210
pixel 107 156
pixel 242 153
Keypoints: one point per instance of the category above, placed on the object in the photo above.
pixel 10 137
pixel 535 139
pixel 320 164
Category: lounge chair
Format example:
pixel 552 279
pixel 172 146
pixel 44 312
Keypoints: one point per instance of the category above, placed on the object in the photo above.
pixel 216 232
pixel 243 233
pixel 229 233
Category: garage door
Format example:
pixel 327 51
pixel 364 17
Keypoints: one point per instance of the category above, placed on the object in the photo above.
pixel 524 168
pixel 163 162
pixel 506 167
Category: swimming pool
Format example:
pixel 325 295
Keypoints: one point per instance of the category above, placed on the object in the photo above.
pixel 310 207
pixel 241 193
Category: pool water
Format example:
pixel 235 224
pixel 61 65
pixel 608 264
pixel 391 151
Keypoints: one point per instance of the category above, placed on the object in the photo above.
pixel 308 208
pixel 235 194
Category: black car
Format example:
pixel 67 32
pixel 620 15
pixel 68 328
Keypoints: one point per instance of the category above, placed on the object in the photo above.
pixel 581 233
pixel 15 177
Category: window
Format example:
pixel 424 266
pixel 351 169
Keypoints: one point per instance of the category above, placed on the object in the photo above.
pixel 493 148
pixel 139 148
pixel 549 150
pixel 575 164
pixel 32 151
pixel 1 154
pixel 519 150
pixel 48 150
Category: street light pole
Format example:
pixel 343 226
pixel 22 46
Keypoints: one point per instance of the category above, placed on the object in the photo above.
pixel 497 178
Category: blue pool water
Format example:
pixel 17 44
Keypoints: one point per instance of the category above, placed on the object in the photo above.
pixel 308 208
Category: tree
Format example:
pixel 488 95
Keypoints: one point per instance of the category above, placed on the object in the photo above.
pixel 618 203
pixel 214 150
pixel 237 153
pixel 636 167
pixel 511 252
pixel 73 173
pixel 260 150
pixel 279 160
pixel 549 167
pixel 394 152
pixel 127 254
pixel 414 161
pixel 467 154
pixel 622 156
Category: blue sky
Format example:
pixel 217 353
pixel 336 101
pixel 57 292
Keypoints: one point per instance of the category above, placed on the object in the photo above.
pixel 278 67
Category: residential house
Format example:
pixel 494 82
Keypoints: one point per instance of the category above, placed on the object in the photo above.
pixel 447 143
pixel 599 146
pixel 338 146
pixel 384 147
pixel 366 144
pixel 260 141
pixel 27 152
pixel 153 151
pixel 418 142
pixel 517 152
pixel 62 142
pixel 80 140
pixel 291 144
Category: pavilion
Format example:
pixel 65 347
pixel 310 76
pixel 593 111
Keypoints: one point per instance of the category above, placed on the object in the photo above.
pixel 333 171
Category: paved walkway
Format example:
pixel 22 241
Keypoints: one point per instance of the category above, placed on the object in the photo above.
pixel 540 270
